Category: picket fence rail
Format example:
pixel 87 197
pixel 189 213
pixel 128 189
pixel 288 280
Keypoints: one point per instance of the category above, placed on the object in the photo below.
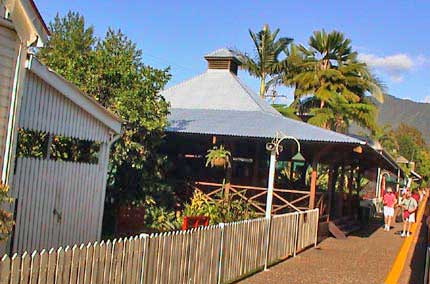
pixel 215 254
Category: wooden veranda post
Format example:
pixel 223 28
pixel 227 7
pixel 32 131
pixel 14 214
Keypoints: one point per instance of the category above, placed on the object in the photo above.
pixel 350 189
pixel 313 185
pixel 332 177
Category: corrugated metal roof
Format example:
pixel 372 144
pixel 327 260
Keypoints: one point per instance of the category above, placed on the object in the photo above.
pixel 221 53
pixel 216 89
pixel 248 124
pixel 217 102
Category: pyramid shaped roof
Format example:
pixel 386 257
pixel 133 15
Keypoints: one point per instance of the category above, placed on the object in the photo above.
pixel 217 102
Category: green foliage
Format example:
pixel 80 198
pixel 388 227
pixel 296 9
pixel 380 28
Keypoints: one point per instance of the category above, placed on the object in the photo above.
pixel 287 111
pixel 329 66
pixel 217 153
pixel 338 113
pixel 34 144
pixel 6 218
pixel 386 136
pixel 218 211
pixel 31 143
pixel 413 147
pixel 111 70
pixel 266 62
pixel 159 218
pixel 334 84
pixel 69 50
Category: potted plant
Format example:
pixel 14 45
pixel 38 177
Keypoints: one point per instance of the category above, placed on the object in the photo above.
pixel 218 157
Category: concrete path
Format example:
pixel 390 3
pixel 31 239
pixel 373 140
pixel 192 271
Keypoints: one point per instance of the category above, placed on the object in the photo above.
pixel 365 257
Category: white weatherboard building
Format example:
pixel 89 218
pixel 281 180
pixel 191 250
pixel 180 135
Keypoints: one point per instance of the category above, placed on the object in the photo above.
pixel 57 202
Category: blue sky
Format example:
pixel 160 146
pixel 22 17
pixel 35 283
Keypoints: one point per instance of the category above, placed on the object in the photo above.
pixel 392 36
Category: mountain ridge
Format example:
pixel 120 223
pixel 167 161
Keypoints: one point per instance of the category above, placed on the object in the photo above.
pixel 395 111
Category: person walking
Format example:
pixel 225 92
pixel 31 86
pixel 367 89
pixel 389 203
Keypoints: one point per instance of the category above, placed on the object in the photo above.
pixel 389 200
pixel 409 206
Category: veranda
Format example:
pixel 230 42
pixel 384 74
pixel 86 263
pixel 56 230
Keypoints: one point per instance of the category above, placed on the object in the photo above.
pixel 314 183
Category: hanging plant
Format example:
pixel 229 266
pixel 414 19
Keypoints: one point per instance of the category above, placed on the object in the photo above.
pixel 218 157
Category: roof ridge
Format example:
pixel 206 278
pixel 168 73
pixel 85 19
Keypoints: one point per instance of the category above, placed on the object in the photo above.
pixel 255 97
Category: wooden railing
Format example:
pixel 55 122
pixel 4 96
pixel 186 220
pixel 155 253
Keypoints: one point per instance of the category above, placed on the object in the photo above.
pixel 283 199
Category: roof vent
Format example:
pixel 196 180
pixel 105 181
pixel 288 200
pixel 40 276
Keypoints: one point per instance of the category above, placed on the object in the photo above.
pixel 223 59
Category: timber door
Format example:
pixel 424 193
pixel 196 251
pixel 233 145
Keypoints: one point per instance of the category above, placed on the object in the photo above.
pixel 55 203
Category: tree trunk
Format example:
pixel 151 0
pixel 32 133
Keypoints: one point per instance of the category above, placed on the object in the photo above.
pixel 262 85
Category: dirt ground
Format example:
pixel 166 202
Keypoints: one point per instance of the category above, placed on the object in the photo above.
pixel 365 257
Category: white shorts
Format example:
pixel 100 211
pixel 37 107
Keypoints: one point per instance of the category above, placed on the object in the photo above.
pixel 411 218
pixel 388 211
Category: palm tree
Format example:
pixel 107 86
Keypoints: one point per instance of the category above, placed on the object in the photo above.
pixel 266 61
pixel 338 114
pixel 329 67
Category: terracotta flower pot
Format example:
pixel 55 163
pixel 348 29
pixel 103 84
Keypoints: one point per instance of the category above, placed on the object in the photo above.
pixel 219 162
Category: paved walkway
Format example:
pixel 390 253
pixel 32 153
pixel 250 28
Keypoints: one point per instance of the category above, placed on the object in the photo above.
pixel 365 257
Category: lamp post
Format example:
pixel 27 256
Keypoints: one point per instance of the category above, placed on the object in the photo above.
pixel 275 148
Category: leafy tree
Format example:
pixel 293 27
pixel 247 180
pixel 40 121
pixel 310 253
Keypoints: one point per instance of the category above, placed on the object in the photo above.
pixel 112 71
pixel 339 112
pixel 287 111
pixel 266 61
pixel 131 89
pixel 386 136
pixel 69 50
pixel 413 147
pixel 330 84
pixel 327 67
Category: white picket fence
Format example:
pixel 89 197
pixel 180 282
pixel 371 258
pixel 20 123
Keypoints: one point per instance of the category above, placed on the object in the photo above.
pixel 215 254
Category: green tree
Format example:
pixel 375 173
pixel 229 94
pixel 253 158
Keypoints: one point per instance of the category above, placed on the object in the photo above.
pixel 338 114
pixel 386 136
pixel 327 67
pixel 131 89
pixel 413 147
pixel 266 61
pixel 69 50
pixel 112 71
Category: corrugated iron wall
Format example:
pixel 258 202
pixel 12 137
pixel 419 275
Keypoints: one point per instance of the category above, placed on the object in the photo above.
pixel 58 203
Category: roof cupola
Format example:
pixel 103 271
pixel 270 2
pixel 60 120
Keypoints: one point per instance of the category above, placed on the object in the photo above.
pixel 223 59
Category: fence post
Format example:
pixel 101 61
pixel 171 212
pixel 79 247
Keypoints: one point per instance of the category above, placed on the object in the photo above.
pixel 221 227
pixel 144 238
pixel 316 226
pixel 296 241
pixel 266 258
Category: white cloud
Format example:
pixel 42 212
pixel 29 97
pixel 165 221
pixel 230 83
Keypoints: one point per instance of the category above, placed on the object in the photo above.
pixel 395 66
pixel 426 99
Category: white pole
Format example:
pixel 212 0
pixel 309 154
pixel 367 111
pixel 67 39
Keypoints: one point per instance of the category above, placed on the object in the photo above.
pixel 398 180
pixel 271 182
pixel 378 183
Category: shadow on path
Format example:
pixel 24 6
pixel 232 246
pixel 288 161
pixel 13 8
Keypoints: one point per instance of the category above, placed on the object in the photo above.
pixel 413 273
pixel 364 257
